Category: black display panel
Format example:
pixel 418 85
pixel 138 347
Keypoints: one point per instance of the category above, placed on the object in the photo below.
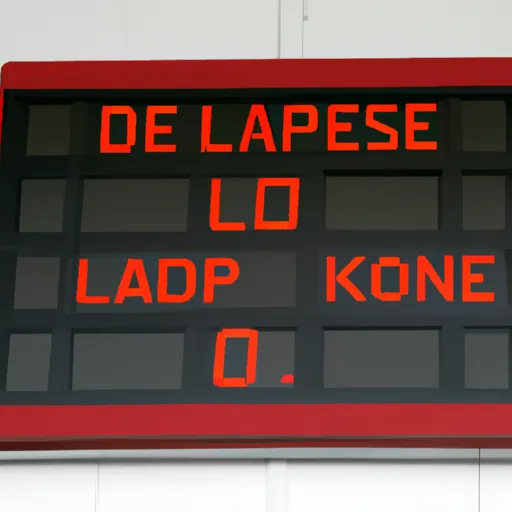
pixel 255 247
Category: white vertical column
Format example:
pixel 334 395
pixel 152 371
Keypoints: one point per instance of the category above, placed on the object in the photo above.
pixel 291 28
pixel 276 486
pixel 495 480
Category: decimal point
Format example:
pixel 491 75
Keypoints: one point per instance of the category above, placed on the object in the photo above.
pixel 288 378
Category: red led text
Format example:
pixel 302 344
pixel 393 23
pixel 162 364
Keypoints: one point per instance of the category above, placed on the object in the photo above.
pixel 293 184
pixel 220 357
pixel 257 127
pixel 341 277
pixel 135 270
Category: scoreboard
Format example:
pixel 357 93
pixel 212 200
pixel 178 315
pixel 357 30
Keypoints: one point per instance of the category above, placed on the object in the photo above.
pixel 261 259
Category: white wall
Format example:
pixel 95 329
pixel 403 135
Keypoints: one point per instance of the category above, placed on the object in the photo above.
pixel 258 480
pixel 405 28
pixel 138 29
pixel 235 29
pixel 248 486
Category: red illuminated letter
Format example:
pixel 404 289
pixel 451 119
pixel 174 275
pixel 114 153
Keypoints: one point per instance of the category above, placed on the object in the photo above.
pixel 334 126
pixel 258 113
pixel 190 280
pixel 81 286
pixel 293 205
pixel 371 122
pixel 131 129
pixel 215 223
pixel 211 280
pixel 376 279
pixel 206 133
pixel 425 268
pixel 468 278
pixel 152 129
pixel 289 128
pixel 220 358
pixel 342 279
pixel 134 268
pixel 412 126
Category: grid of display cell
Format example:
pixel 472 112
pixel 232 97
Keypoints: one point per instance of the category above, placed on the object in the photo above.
pixel 382 203
pixel 484 202
pixel 49 130
pixel 138 205
pixel 127 361
pixel 42 206
pixel 484 125
pixel 375 358
pixel 486 359
pixel 28 366
pixel 164 275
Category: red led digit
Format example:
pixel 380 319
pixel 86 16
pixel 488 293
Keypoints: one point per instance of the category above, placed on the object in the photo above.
pixel 293 185
pixel 220 358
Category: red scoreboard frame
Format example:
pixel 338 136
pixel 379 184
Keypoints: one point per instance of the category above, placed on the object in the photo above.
pixel 210 425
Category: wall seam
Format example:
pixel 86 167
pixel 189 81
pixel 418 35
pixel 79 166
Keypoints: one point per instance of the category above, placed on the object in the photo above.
pixel 125 27
pixel 303 21
pixel 479 479
pixel 279 32
pixel 276 478
pixel 97 494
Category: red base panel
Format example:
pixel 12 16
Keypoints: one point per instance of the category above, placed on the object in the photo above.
pixel 254 421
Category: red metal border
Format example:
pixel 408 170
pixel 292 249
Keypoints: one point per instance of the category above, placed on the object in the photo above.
pixel 217 421
pixel 244 74
pixel 1 107
pixel 360 425
pixel 164 444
